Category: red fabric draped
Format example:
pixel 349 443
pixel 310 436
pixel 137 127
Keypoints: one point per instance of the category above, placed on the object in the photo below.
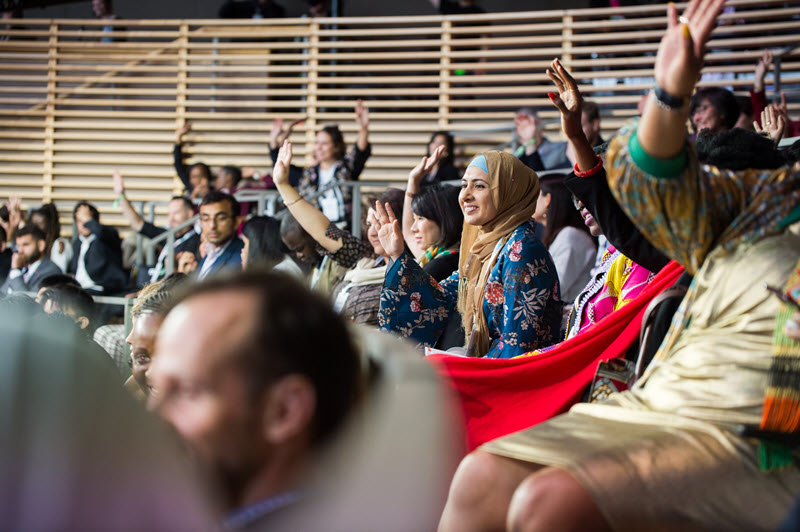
pixel 501 396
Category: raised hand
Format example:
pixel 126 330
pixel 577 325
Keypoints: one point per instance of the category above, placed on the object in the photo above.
pixel 568 100
pixel 362 115
pixel 14 205
pixel 681 51
pixel 275 132
pixel 183 130
pixel 773 123
pixel 760 72
pixel 119 183
pixel 427 163
pixel 389 232
pixel 280 172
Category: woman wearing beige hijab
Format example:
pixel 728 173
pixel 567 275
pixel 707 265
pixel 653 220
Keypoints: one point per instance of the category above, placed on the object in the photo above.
pixel 506 287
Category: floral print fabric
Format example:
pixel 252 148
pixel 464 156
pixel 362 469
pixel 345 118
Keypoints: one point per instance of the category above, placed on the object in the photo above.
pixel 521 302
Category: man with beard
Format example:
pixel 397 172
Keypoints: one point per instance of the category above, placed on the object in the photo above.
pixel 256 374
pixel 29 266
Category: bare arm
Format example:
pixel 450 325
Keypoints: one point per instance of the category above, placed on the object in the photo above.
pixel 412 189
pixel 661 132
pixel 569 102
pixel 362 119
pixel 130 214
pixel 313 221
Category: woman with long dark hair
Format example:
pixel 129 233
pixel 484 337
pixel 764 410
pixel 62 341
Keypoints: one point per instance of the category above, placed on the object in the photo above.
pixel 566 236
pixel 59 249
pixel 263 246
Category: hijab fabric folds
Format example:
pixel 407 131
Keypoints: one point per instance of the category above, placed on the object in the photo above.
pixel 515 188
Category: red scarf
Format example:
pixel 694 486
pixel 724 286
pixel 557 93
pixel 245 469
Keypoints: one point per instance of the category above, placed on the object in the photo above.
pixel 501 396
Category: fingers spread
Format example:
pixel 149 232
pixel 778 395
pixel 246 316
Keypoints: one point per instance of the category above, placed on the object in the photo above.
pixel 390 213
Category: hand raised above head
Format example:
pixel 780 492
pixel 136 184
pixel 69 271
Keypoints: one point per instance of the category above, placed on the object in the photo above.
pixel 362 114
pixel 568 100
pixel 425 165
pixel 683 47
pixel 280 172
pixel 119 183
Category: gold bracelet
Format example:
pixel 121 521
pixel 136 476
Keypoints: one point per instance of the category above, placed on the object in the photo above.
pixel 292 202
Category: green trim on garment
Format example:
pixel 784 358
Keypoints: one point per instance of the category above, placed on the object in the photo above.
pixel 659 168
pixel 791 218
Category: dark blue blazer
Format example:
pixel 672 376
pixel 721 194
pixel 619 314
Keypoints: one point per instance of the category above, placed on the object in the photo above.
pixel 229 261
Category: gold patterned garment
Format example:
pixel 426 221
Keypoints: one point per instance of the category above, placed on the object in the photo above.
pixel 666 451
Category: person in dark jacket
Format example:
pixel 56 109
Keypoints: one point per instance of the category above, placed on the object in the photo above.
pixel 97 253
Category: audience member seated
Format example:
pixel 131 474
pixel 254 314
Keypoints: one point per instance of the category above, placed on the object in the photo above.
pixel 714 109
pixel 506 287
pixel 55 280
pixel 332 164
pixel 96 253
pixel 432 220
pixel 196 178
pixel 78 453
pixel 532 147
pixel 261 236
pixel 179 211
pixel 590 123
pixel 668 454
pixel 59 248
pixel 147 314
pixel 357 296
pixel 325 272
pixel 444 169
pixel 758 98
pixel 228 178
pixel 257 375
pixel 219 220
pixel 565 236
pixel 29 264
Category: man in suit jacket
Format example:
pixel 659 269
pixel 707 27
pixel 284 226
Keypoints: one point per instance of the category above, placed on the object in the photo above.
pixel 179 210
pixel 219 219
pixel 29 265
pixel 97 253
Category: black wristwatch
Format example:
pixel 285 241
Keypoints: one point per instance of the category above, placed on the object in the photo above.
pixel 667 101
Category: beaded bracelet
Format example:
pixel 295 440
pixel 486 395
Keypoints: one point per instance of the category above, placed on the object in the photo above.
pixel 589 173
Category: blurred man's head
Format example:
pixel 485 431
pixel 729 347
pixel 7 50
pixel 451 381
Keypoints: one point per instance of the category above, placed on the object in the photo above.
pixel 179 210
pixel 73 301
pixel 300 243
pixel 219 217
pixel 228 178
pixel 31 243
pixel 55 280
pixel 83 212
pixel 254 372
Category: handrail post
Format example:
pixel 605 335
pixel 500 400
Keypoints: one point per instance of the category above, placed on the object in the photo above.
pixel 171 254
pixel 776 77
pixel 50 114
pixel 356 220
pixel 139 257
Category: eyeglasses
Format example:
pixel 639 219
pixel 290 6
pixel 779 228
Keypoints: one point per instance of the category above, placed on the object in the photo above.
pixel 219 218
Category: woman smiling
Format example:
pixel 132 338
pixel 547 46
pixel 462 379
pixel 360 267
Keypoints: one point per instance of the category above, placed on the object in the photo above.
pixel 506 287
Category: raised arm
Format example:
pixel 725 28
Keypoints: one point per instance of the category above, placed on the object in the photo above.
pixel 412 189
pixel 569 102
pixel 177 156
pixel 362 120
pixel 278 134
pixel 661 131
pixel 134 219
pixel 313 221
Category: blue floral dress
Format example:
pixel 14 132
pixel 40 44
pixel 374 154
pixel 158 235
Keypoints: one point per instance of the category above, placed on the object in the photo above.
pixel 521 303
